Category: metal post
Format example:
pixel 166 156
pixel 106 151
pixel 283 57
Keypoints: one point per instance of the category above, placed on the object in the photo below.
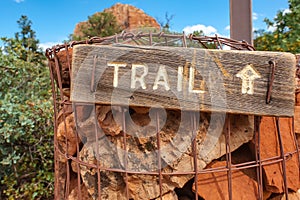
pixel 241 20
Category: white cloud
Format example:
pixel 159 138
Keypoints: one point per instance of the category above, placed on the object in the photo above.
pixel 254 16
pixel 227 28
pixel 286 11
pixel 19 1
pixel 46 45
pixel 207 30
pixel 272 28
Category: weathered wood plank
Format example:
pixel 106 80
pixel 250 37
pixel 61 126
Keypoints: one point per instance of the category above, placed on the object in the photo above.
pixel 297 119
pixel 184 78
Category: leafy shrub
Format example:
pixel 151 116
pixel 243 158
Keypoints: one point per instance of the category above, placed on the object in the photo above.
pixel 26 131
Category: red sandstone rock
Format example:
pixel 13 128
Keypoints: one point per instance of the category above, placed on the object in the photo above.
pixel 273 176
pixel 169 196
pixel 60 179
pixel 130 17
pixel 75 194
pixel 66 136
pixel 298 99
pixel 64 112
pixel 291 195
pixel 297 119
pixel 63 67
pixel 127 16
pixel 214 186
pixel 143 186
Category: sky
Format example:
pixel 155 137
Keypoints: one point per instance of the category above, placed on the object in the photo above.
pixel 54 20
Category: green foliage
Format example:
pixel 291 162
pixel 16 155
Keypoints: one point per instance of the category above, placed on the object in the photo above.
pixel 27 40
pixel 286 34
pixel 26 131
pixel 100 24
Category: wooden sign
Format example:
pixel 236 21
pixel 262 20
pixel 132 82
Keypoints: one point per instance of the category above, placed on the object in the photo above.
pixel 184 78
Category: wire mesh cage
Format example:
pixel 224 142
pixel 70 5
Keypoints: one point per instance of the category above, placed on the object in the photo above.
pixel 131 152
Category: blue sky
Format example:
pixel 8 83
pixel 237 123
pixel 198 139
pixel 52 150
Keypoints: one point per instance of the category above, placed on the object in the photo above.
pixel 54 20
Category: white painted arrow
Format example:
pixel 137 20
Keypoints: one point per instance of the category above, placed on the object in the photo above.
pixel 248 75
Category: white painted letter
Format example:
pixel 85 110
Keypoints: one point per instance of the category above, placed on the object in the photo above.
pixel 179 79
pixel 191 82
pixel 140 79
pixel 116 65
pixel 165 82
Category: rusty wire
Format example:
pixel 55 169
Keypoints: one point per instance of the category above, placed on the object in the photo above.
pixel 221 41
pixel 147 39
pixel 141 38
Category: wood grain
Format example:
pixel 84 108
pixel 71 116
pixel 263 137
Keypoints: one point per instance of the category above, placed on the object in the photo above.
pixel 216 85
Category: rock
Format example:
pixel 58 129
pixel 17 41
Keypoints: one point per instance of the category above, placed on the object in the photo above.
pixel 186 192
pixel 169 196
pixel 147 187
pixel 87 129
pixel 61 181
pixel 244 179
pixel 108 123
pixel 266 195
pixel 241 133
pixel 78 27
pixel 67 136
pixel 102 112
pixel 63 113
pixel 63 67
pixel 130 17
pixel 75 195
pixel 291 196
pixel 83 112
pixel 66 92
pixel 141 110
pixel 112 183
pixel 269 146
pixel 61 178
pixel 127 16
pixel 297 119
pixel 176 154
pixel 74 166
pixel 214 186
pixel 298 98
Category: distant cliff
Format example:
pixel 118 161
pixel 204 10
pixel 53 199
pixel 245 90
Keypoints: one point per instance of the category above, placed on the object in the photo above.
pixel 127 16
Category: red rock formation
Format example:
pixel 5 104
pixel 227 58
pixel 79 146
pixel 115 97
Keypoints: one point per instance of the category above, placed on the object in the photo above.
pixel 128 17
pixel 77 31
pixel 214 186
pixel 64 70
pixel 297 119
pixel 273 175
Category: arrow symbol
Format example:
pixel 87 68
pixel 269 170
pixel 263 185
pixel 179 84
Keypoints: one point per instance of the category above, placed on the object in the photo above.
pixel 248 75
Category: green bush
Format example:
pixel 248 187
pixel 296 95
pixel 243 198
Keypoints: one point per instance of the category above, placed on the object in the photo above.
pixel 26 130
pixel 285 35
